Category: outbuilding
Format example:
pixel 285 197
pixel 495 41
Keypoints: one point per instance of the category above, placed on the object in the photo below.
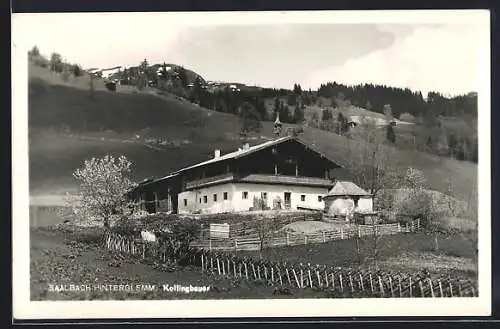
pixel 346 198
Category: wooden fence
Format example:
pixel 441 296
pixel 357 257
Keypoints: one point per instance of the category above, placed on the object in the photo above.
pixel 336 281
pixel 252 241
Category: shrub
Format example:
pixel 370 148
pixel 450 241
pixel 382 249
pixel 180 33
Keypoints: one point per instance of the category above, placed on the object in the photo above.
pixel 111 86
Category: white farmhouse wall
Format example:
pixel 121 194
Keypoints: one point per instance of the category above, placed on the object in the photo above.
pixel 196 201
pixel 341 205
pixel 275 190
pixel 365 204
pixel 236 203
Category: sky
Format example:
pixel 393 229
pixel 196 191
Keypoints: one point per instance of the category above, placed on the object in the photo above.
pixel 274 52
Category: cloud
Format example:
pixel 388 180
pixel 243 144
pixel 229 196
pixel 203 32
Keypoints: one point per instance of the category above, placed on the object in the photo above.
pixel 275 55
pixel 432 58
pixel 98 39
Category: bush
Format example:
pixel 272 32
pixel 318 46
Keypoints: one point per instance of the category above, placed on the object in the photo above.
pixel 111 86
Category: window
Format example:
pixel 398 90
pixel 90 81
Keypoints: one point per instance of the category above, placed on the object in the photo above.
pixel 185 202
pixel 264 195
pixel 205 199
pixel 215 197
pixel 245 195
pixel 200 200
pixel 320 198
pixel 303 197
pixel 225 195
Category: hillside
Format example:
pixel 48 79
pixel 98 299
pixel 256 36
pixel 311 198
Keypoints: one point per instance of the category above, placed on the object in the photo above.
pixel 68 126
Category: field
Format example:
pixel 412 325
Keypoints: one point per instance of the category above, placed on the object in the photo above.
pixel 394 251
pixel 58 257
pixel 76 256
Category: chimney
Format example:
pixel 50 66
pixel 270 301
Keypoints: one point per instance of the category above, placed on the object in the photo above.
pixel 216 154
pixel 246 146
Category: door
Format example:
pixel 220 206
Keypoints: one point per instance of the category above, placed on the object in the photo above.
pixel 288 200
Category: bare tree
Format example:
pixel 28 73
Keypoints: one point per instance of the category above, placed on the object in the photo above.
pixel 265 231
pixel 375 238
pixel 371 160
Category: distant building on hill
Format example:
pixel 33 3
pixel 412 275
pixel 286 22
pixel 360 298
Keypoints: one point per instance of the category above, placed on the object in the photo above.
pixel 284 173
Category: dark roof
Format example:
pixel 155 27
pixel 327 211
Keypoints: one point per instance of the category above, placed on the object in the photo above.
pixel 240 154
pixel 343 188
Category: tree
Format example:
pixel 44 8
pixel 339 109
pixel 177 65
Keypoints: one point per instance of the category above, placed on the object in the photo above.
pixel 297 90
pixel 34 53
pixel 391 136
pixel 314 120
pixel 182 76
pixel 419 203
pixel 429 144
pixel 266 227
pixel 388 112
pixel 76 70
pixel 342 124
pixel 143 74
pixel 298 114
pixel 56 64
pixel 370 160
pixel 284 113
pixel 91 86
pixel 103 184
pixel 197 90
pixel 249 119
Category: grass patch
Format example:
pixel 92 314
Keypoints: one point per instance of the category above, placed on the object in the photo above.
pixel 343 252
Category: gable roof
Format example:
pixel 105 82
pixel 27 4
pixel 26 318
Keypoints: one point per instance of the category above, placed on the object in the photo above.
pixel 343 188
pixel 239 154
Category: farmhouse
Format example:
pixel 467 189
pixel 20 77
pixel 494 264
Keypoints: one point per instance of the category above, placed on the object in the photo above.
pixel 284 173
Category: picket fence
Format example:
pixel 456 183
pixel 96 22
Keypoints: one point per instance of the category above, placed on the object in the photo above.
pixel 336 281
pixel 251 240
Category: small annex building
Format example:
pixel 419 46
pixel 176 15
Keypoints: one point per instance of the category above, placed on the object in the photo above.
pixel 283 173
pixel 346 198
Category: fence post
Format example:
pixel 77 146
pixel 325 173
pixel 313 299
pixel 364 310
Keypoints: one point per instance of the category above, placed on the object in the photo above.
pixel 432 288
pixel 421 288
pixel 399 227
pixel 324 237
pixel 350 282
pixel 342 233
pixel 381 286
pixel 301 277
pixel 235 244
pixel 359 231
pixel 309 276
pixel 305 239
pixel 209 243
